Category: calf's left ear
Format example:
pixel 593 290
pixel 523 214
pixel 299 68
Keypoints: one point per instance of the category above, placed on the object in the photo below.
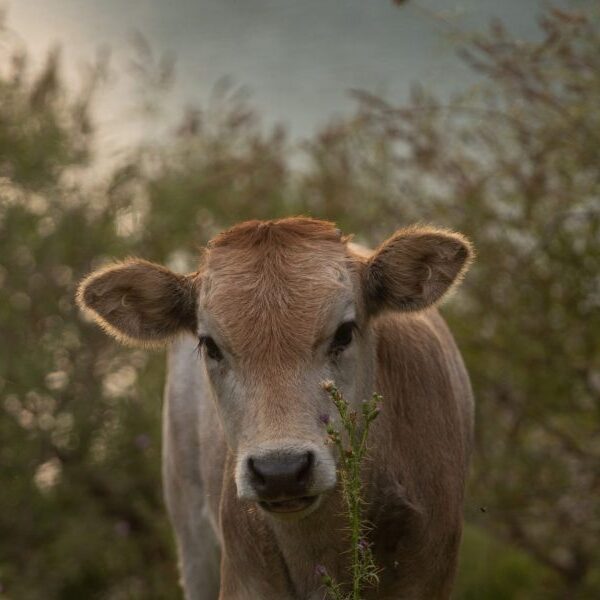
pixel 139 302
pixel 415 268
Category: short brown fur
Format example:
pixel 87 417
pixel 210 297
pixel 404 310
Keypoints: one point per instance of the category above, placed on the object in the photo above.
pixel 269 288
pixel 263 270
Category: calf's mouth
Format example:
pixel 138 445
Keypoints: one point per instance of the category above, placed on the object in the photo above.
pixel 289 505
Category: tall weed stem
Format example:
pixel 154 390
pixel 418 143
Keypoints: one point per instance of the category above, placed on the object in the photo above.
pixel 351 445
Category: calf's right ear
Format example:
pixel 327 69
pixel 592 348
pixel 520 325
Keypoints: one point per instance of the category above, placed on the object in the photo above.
pixel 139 302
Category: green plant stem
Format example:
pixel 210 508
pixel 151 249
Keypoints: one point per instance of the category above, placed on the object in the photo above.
pixel 363 570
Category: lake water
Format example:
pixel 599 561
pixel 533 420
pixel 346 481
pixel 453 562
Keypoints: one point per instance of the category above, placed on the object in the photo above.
pixel 300 58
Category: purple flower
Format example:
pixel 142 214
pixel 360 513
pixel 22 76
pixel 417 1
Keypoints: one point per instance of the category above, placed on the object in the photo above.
pixel 363 545
pixel 142 441
pixel 122 528
pixel 321 571
pixel 324 419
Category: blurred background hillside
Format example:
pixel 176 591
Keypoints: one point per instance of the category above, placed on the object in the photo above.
pixel 508 154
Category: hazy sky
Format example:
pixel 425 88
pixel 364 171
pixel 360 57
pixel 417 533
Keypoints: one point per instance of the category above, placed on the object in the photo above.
pixel 299 57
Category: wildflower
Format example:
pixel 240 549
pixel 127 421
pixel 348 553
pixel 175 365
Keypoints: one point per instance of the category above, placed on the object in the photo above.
pixel 321 571
pixel 364 570
pixel 328 386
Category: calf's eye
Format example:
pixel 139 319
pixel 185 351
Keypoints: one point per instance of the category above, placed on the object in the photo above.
pixel 343 337
pixel 212 350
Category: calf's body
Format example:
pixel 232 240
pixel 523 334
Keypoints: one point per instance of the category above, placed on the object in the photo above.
pixel 415 480
pixel 275 309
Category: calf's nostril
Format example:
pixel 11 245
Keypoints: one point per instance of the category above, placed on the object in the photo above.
pixel 257 476
pixel 305 467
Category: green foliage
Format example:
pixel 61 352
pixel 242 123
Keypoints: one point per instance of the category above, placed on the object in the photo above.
pixel 42 131
pixel 514 165
pixel 351 457
pixel 499 571
pixel 79 457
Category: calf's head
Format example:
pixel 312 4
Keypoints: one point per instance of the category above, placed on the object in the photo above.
pixel 277 308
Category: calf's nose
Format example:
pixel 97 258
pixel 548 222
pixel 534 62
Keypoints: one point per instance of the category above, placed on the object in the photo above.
pixel 280 475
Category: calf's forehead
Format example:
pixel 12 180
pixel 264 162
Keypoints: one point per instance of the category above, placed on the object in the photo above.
pixel 271 304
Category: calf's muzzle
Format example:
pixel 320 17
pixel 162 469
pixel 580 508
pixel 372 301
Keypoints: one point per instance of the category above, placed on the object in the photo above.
pixel 281 475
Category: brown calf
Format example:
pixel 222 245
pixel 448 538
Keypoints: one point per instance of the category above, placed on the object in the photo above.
pixel 277 308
